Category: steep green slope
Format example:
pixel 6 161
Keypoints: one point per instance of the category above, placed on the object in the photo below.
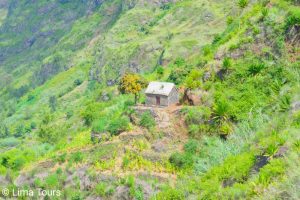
pixel 239 59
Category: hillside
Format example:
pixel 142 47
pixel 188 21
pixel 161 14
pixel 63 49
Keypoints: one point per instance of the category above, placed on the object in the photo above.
pixel 66 125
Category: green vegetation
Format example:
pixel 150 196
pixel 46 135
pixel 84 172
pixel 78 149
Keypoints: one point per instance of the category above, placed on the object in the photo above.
pixel 71 73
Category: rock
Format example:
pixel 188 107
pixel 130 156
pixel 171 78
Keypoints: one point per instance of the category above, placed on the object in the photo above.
pixel 131 136
pixel 193 97
pixel 281 152
pixel 3 181
pixel 122 193
pixel 29 42
pixel 93 198
pixel 159 146
pixel 110 82
pixel 296 106
pixel 146 187
pixel 206 76
pixel 100 137
pixel 21 180
pixel 105 96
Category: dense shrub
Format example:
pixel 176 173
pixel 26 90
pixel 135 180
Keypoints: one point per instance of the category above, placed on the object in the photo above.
pixel 178 75
pixel 243 3
pixel 256 68
pixel 53 103
pixel 227 63
pixel 292 18
pixel 170 194
pixel 271 171
pixel 192 147
pixel 147 120
pixel 181 160
pixel 118 125
pixel 77 82
pixel 77 157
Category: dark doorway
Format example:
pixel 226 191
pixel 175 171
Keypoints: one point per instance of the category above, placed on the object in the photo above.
pixel 157 101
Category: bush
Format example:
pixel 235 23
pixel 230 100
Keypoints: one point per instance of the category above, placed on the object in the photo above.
pixel 256 68
pixel 118 125
pixel 160 71
pixel 77 82
pixel 77 157
pixel 192 147
pixel 20 130
pixel 227 63
pixel 101 189
pixel 292 18
pixel 53 103
pixel 243 3
pixel 69 114
pixel 170 194
pixel 147 120
pixel 52 181
pixel 33 125
pixel 271 171
pixel 178 75
pixel 181 160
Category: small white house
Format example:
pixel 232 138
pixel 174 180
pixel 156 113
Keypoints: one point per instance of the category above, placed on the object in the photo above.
pixel 161 94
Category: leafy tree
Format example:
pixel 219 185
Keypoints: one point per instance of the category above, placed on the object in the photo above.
pixel 132 84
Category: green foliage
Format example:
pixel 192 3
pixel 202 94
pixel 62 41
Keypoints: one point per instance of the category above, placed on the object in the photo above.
pixel 160 71
pixel 77 82
pixel 271 171
pixel 192 147
pixel 52 181
pixel 178 75
pixel 292 18
pixel 243 3
pixel 182 160
pixel 170 194
pixel 221 111
pixel 89 114
pixel 147 120
pixel 76 157
pixel 256 68
pixel 53 103
pixel 193 80
pixel 117 126
pixel 227 63
pixel 50 133
pixel 20 130
pixel 101 189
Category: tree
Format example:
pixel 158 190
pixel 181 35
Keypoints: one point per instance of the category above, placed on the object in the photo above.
pixel 132 84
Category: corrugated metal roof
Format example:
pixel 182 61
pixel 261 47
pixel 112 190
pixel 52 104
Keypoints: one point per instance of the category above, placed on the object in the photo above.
pixel 160 88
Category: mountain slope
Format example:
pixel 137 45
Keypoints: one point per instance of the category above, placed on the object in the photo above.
pixel 65 125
